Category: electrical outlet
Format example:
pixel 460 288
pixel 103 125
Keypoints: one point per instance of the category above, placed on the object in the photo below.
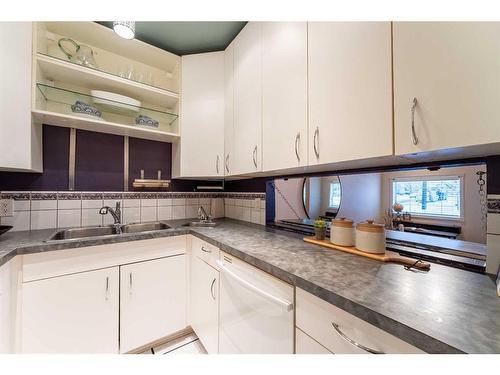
pixel 6 207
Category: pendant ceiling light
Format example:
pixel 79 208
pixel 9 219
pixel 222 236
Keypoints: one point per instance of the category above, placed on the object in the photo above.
pixel 126 29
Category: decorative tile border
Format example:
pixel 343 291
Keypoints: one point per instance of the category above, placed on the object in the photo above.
pixel 44 196
pixel 493 205
pixel 17 196
pixel 69 195
pixel 91 196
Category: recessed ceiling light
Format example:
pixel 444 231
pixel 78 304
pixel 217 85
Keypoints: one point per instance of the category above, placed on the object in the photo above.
pixel 126 29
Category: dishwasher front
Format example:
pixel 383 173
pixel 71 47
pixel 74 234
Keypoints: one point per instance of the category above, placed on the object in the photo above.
pixel 256 310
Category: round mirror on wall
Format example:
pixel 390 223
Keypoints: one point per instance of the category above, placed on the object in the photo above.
pixel 321 196
pixel 300 201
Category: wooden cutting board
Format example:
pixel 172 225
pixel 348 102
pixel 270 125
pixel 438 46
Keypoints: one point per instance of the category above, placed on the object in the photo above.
pixel 389 256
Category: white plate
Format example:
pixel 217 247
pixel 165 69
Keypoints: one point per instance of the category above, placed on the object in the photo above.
pixel 86 115
pixel 112 100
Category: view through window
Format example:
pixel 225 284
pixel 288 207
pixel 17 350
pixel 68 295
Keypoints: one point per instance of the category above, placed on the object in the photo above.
pixel 438 197
pixel 335 194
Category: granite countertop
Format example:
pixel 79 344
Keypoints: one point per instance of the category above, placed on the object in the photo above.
pixel 446 310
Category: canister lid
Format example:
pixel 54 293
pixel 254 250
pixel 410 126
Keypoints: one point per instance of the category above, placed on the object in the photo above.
pixel 342 222
pixel 370 226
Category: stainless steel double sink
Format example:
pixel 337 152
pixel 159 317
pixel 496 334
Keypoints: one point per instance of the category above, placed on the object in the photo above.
pixel 78 233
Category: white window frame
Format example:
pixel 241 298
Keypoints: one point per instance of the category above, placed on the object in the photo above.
pixel 330 192
pixel 432 178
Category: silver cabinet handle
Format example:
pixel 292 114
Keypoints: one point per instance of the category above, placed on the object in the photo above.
pixel 413 134
pixel 107 289
pixel 212 289
pixel 205 250
pixel 217 164
pixel 316 139
pixel 227 163
pixel 254 156
pixel 352 342
pixel 297 140
pixel 130 282
pixel 287 305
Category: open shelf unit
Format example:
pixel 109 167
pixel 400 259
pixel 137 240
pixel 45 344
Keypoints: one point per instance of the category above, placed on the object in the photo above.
pixel 59 82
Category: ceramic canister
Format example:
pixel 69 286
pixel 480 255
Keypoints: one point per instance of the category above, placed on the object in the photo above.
pixel 370 237
pixel 342 232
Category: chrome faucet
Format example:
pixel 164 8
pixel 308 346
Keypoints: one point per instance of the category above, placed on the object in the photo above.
pixel 116 213
pixel 202 214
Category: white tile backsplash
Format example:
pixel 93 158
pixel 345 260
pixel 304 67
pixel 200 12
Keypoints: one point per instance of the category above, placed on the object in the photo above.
pixel 92 203
pixel 20 220
pixel 164 212
pixel 178 212
pixel 69 204
pixel 69 211
pixel 148 214
pixel 44 205
pixel 493 253
pixel 493 223
pixel 91 217
pixel 69 218
pixel 131 215
pixel 43 219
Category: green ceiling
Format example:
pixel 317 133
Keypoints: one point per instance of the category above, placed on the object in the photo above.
pixel 183 38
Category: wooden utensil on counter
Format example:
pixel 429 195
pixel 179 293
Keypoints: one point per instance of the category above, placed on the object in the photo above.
pixel 388 257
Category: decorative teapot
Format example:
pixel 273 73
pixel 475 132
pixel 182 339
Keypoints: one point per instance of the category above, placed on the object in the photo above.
pixel 82 54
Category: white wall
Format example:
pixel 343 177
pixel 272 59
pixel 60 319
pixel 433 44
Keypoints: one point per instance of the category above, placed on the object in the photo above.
pixel 472 226
pixel 292 190
pixel 361 197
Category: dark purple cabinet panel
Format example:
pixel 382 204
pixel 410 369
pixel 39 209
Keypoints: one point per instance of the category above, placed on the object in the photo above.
pixel 493 176
pixel 55 165
pixel 150 156
pixel 99 162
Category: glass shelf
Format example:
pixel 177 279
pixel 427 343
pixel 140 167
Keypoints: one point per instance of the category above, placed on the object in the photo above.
pixel 123 72
pixel 63 101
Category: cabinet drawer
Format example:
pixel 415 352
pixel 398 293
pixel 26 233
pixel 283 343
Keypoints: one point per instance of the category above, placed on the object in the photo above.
pixel 64 262
pixel 205 251
pixel 317 318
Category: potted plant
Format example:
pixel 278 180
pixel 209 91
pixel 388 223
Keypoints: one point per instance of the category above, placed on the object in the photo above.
pixel 320 229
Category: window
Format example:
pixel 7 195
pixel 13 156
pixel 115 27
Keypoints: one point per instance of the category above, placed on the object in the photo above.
pixel 335 193
pixel 439 197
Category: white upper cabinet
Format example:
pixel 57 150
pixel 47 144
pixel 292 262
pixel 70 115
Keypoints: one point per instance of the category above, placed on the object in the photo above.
pixel 228 108
pixel 202 115
pixel 452 70
pixel 284 90
pixel 20 140
pixel 248 100
pixel 350 94
pixel 152 301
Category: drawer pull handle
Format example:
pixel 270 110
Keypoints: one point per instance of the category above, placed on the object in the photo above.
pixel 413 133
pixel 205 250
pixel 352 342
pixel 316 137
pixel 106 296
pixel 297 140
pixel 212 288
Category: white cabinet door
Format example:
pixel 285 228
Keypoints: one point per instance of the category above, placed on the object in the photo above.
pixel 202 115
pixel 71 314
pixel 284 90
pixel 248 100
pixel 228 108
pixel 350 95
pixel 452 69
pixel 20 141
pixel 307 345
pixel 152 301
pixel 205 304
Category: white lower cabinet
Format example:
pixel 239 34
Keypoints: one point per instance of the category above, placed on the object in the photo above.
pixel 205 304
pixel 152 301
pixel 307 345
pixel 75 313
pixel 341 332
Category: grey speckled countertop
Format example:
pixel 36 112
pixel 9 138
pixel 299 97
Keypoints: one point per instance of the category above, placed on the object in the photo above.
pixel 446 310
